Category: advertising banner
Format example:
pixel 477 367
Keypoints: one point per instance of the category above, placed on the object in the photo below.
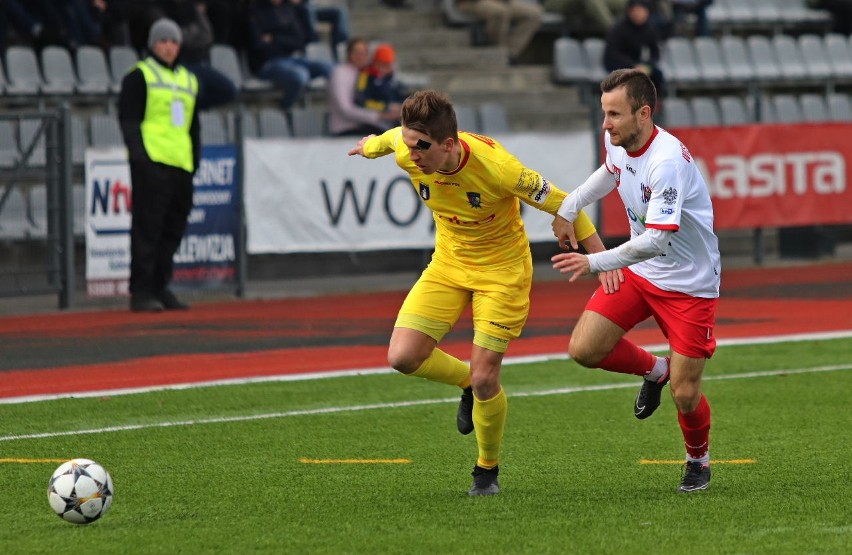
pixel 310 196
pixel 206 257
pixel 763 176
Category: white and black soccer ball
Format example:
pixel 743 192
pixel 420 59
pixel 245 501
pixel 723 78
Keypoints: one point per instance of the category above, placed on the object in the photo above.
pixel 80 491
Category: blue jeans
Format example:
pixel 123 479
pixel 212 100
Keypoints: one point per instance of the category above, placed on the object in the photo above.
pixel 338 18
pixel 292 75
pixel 214 87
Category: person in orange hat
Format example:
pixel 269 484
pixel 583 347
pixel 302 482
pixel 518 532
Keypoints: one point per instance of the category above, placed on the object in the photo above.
pixel 377 87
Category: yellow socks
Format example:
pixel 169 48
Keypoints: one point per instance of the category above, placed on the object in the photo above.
pixel 443 368
pixel 489 419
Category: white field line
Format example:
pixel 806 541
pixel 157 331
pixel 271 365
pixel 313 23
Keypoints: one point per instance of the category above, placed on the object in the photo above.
pixel 385 370
pixel 400 404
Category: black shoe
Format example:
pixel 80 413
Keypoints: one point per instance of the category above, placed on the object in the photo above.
pixel 484 481
pixel 649 397
pixel 145 303
pixel 464 417
pixel 170 302
pixel 696 476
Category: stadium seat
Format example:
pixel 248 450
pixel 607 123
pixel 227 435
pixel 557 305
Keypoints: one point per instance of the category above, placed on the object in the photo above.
pixel 814 108
pixel 121 61
pixel 680 62
pixel 14 223
pixel 58 70
pixel 8 144
pixel 248 124
pixel 789 56
pixel 763 58
pixel 815 57
pixel 273 123
pixel 839 55
pixel 24 77
pixel 105 131
pixel 308 122
pixel 32 138
pixel 839 107
pixel 212 128
pixel 467 118
pixel 78 139
pixel 569 61
pixel 93 72
pixel 739 64
pixel 733 110
pixel 226 59
pixel 493 119
pixel 705 111
pixel 677 113
pixel 594 49
pixel 784 108
pixel 711 64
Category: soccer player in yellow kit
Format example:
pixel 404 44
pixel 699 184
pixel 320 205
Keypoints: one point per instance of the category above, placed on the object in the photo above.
pixel 482 256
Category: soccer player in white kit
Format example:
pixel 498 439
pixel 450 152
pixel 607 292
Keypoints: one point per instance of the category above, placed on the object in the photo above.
pixel 671 264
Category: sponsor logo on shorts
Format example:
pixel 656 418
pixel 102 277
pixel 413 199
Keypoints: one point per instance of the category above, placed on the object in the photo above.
pixel 501 326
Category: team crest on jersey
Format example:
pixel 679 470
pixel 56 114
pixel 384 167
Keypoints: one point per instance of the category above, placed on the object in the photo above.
pixel 616 172
pixel 424 191
pixel 670 195
pixel 475 200
pixel 646 193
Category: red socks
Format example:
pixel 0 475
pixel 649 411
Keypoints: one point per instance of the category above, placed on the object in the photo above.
pixel 696 429
pixel 627 358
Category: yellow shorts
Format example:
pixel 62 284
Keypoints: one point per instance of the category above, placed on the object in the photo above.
pixel 500 297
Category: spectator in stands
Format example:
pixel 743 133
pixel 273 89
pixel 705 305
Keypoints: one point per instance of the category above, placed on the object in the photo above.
pixel 141 14
pixel 598 16
pixel 509 23
pixel 214 87
pixel 346 117
pixel 634 42
pixel 162 134
pixel 24 23
pixel 337 17
pixel 682 10
pixel 110 18
pixel 377 87
pixel 279 30
pixel 841 12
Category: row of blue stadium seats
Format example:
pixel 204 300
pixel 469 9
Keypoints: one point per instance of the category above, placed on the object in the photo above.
pixel 709 111
pixel 822 60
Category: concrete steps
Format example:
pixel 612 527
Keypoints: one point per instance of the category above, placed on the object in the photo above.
pixel 439 57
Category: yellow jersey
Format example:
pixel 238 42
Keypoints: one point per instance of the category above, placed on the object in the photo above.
pixel 476 207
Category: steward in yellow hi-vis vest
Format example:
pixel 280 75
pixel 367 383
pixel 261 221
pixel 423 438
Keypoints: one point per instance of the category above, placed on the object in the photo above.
pixel 158 114
pixel 474 188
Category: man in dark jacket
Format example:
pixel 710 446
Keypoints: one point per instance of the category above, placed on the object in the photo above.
pixel 633 42
pixel 279 31
pixel 158 114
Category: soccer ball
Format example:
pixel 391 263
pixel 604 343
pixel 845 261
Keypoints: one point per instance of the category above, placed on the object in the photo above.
pixel 80 491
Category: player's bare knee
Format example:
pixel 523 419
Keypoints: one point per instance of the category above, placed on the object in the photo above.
pixel 686 398
pixel 582 355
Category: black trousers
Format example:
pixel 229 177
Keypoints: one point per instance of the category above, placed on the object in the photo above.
pixel 162 199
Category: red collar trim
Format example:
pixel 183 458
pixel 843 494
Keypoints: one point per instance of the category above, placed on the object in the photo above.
pixel 465 157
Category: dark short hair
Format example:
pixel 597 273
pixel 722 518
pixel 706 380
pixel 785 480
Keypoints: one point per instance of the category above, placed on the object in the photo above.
pixel 640 89
pixel 432 113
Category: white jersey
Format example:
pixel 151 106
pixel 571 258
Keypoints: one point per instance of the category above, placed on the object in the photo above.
pixel 662 188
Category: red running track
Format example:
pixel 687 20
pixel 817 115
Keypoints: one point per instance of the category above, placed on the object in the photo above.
pixel 107 350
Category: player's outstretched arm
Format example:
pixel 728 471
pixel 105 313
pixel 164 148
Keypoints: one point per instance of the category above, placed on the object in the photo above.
pixel 359 148
pixel 572 263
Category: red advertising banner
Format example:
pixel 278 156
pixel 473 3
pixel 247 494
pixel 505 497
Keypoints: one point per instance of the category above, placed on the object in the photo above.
pixel 766 175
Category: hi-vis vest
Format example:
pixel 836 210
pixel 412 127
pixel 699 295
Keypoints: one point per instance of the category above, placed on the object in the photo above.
pixel 168 113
